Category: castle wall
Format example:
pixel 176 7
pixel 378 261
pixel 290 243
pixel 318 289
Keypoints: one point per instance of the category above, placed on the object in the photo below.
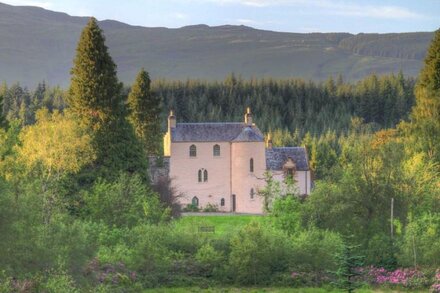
pixel 184 173
pixel 243 180
pixel 302 179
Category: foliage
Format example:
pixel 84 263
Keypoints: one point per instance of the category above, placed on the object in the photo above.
pixel 421 242
pixel 426 113
pixel 124 202
pixel 52 148
pixel 286 214
pixel 314 250
pixel 96 101
pixel 168 195
pixel 256 254
pixel 349 264
pixel 145 114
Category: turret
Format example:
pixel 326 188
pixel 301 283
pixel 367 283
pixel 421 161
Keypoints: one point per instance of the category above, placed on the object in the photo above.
pixel 248 117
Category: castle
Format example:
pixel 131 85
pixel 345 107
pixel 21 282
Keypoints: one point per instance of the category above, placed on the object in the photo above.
pixel 223 164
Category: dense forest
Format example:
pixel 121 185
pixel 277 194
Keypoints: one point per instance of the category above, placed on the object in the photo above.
pixel 78 212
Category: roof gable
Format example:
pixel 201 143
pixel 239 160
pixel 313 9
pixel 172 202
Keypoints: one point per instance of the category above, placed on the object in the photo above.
pixel 277 157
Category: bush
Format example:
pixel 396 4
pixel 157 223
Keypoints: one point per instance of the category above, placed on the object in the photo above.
pixel 191 208
pixel 257 253
pixel 210 208
pixel 314 250
pixel 126 202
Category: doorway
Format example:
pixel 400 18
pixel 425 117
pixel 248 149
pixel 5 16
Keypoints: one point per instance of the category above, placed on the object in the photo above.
pixel 234 203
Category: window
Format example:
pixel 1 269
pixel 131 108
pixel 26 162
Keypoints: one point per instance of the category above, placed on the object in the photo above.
pixel 222 202
pixel 205 175
pixel 252 193
pixel 192 151
pixel 216 150
pixel 251 165
pixel 289 172
pixel 202 175
pixel 195 201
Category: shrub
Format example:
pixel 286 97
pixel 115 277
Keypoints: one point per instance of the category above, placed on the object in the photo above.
pixel 126 202
pixel 210 208
pixel 257 253
pixel 191 208
pixel 314 250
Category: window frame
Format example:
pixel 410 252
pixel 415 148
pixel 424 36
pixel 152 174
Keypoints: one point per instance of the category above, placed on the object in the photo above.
pixel 192 151
pixel 216 151
pixel 251 165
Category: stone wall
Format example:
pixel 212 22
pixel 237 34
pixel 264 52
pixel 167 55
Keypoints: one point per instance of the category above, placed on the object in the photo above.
pixel 158 167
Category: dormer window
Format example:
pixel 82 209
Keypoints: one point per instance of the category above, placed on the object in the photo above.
pixel 216 150
pixel 192 151
pixel 289 168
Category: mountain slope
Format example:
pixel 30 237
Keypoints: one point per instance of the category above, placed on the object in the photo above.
pixel 38 44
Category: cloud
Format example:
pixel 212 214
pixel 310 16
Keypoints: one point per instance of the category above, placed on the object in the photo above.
pixel 45 4
pixel 332 7
pixel 180 16
pixel 245 21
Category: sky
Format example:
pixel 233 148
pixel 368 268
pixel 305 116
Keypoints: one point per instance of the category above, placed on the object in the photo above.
pixel 354 16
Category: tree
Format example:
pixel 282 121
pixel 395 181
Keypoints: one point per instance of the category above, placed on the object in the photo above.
pixel 145 114
pixel 2 116
pixel 426 113
pixel 96 101
pixel 349 263
pixel 94 94
pixel 55 146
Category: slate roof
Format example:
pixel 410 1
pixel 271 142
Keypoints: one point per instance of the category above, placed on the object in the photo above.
pixel 215 131
pixel 277 156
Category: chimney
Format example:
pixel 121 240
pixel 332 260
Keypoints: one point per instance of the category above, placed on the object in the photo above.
pixel 269 141
pixel 171 120
pixel 248 117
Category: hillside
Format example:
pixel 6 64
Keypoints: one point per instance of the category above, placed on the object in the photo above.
pixel 38 44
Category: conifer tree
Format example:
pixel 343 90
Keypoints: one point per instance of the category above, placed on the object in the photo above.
pixel 2 116
pixel 426 113
pixel 96 101
pixel 145 114
pixel 94 94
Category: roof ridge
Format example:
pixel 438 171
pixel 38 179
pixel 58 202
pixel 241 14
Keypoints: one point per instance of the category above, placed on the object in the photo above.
pixel 198 123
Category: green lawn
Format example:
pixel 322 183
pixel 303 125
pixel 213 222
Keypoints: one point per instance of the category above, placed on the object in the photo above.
pixel 222 224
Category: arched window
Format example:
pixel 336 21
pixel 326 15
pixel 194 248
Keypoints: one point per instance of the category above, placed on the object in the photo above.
pixel 192 151
pixel 251 165
pixel 252 193
pixel 200 175
pixel 195 201
pixel 205 175
pixel 216 150
pixel 222 202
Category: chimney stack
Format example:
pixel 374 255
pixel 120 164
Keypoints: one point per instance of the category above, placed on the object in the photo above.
pixel 248 117
pixel 269 141
pixel 171 120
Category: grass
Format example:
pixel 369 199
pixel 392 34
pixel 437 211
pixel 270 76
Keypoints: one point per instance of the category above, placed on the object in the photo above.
pixel 269 290
pixel 222 224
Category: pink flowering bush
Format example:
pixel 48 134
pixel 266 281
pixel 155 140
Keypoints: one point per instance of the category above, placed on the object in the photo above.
pixel 435 288
pixel 408 277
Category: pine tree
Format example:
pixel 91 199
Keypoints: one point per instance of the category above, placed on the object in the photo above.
pixel 2 116
pixel 96 101
pixel 94 94
pixel 145 114
pixel 349 263
pixel 426 113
